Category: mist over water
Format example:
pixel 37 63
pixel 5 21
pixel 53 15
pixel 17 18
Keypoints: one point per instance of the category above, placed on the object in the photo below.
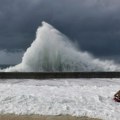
pixel 53 51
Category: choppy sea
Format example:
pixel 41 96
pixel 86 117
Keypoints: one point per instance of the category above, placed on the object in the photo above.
pixel 2 66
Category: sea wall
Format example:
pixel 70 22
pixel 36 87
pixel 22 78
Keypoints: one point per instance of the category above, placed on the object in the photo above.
pixel 52 75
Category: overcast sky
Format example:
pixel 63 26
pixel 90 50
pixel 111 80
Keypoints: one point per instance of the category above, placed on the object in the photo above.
pixel 94 24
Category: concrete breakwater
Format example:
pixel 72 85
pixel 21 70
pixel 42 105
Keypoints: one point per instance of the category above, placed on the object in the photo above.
pixel 52 75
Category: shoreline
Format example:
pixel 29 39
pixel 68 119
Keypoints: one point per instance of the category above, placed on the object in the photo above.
pixel 43 117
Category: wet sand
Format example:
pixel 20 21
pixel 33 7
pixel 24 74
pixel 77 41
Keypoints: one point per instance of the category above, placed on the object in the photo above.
pixel 35 117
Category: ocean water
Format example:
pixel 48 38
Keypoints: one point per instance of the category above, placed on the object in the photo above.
pixel 2 66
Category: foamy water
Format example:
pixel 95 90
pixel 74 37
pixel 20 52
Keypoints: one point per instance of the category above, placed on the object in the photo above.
pixel 53 51
pixel 76 97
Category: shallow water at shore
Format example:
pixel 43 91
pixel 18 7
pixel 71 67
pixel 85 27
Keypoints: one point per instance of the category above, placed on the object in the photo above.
pixel 36 117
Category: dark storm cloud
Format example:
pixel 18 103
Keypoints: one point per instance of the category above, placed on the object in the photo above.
pixel 94 24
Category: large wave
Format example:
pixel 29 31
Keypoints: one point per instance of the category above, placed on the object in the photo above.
pixel 53 51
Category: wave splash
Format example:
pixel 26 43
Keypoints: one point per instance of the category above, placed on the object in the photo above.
pixel 53 51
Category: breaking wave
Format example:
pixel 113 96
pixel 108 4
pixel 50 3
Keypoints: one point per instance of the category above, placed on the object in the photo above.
pixel 53 51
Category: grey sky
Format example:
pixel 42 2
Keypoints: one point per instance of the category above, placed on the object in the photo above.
pixel 94 24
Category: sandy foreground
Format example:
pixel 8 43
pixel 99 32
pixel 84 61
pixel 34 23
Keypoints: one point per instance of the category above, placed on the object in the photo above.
pixel 35 117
